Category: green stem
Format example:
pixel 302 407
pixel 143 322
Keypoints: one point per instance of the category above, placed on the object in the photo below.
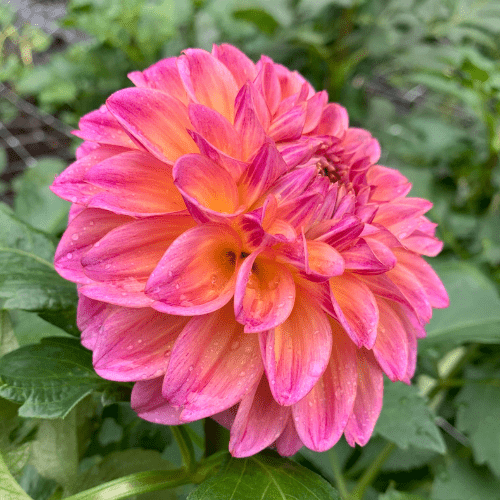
pixel 337 473
pixel 186 447
pixel 371 472
pixel 134 484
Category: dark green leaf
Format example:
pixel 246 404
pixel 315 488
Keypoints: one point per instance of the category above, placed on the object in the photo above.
pixel 474 311
pixel 37 486
pixel 48 378
pixel 405 419
pixel 461 481
pixel 479 417
pixel 8 341
pixel 262 19
pixel 398 495
pixel 28 279
pixel 266 477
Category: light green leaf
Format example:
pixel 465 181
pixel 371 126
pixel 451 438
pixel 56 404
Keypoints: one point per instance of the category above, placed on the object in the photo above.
pixel 37 486
pixel 461 481
pixel 35 203
pixel 9 488
pixel 28 279
pixel 398 495
pixel 8 341
pixel 266 477
pixel 405 419
pixel 122 463
pixel 48 378
pixel 474 311
pixel 479 417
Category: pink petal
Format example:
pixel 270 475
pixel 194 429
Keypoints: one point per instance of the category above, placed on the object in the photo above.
pixel 208 81
pixel 121 293
pixel 212 366
pixel 355 308
pixel 422 243
pixel 299 152
pixel 413 291
pixel 293 184
pixel 300 211
pixel 206 184
pixel 296 352
pixel 267 83
pixel 334 121
pixel 131 251
pixel 264 294
pixel 361 259
pixel 368 403
pixel 315 106
pixel 135 344
pixel 197 273
pixel 242 68
pixel 387 183
pixel 90 315
pixel 216 129
pixel 83 232
pixel 163 76
pixel 157 120
pixel 339 234
pixel 71 184
pixel 391 346
pixel 321 416
pixel 147 401
pixel 323 261
pixel 226 417
pixel 102 127
pixel 289 442
pixel 134 183
pixel 258 423
pixel 426 276
pixel 265 168
pixel 251 119
pixel 288 126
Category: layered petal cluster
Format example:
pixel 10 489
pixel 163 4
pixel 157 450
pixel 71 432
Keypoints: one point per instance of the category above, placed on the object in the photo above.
pixel 240 254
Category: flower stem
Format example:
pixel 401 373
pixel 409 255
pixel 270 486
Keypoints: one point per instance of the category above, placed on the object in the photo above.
pixel 186 447
pixel 371 472
pixel 337 472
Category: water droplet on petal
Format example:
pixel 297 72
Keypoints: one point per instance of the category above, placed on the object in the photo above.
pixel 235 345
pixel 74 237
pixel 69 256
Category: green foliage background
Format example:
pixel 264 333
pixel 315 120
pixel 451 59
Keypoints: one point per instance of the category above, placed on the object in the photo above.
pixel 424 77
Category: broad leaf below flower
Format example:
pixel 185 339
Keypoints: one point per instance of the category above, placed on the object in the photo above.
pixel 266 477
pixel 405 419
pixel 49 378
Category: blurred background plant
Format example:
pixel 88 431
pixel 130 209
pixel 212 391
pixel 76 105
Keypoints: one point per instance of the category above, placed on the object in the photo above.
pixel 422 75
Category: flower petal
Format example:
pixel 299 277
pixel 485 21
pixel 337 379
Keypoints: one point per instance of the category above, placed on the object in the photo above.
pixel 289 442
pixel 147 401
pixel 368 402
pixel 242 68
pixel 391 347
pixel 216 374
pixel 197 273
pixel 157 120
pixel 206 184
pixel 208 81
pixel 135 183
pixel 258 423
pixel 83 232
pixel 321 416
pixel 296 352
pixel 135 344
pixel 323 261
pixel 264 294
pixel 355 308
pixel 90 315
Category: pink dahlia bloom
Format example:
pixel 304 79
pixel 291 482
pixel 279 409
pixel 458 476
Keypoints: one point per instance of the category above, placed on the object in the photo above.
pixel 240 254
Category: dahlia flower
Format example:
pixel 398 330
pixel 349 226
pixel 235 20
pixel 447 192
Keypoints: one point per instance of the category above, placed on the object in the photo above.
pixel 240 254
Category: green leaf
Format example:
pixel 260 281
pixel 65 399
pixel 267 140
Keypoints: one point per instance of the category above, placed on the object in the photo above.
pixel 398 495
pixel 28 279
pixel 405 419
pixel 461 481
pixel 266 477
pixel 121 463
pixel 35 203
pixel 37 486
pixel 48 378
pixel 9 488
pixel 8 341
pixel 479 417
pixel 262 19
pixel 474 311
